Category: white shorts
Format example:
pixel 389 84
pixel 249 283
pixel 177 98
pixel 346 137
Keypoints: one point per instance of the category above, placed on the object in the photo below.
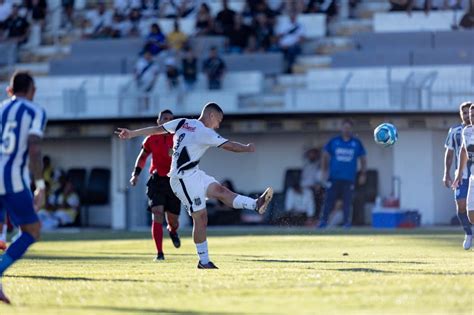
pixel 470 195
pixel 192 189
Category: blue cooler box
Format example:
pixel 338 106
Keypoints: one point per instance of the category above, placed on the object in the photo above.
pixel 387 217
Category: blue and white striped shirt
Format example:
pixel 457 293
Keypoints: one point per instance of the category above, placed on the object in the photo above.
pixel 454 142
pixel 19 119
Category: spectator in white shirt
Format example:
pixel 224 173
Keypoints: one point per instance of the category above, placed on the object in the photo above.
pixel 146 75
pixel 311 177
pixel 98 22
pixel 291 35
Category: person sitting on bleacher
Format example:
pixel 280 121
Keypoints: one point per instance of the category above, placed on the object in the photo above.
pixel 98 22
pixel 156 40
pixel 17 27
pixel 61 209
pixel 204 21
pixel 291 36
pixel 214 67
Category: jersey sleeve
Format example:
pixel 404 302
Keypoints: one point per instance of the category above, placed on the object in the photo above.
pixel 213 139
pixel 173 125
pixel 362 151
pixel 39 123
pixel 449 143
pixel 464 138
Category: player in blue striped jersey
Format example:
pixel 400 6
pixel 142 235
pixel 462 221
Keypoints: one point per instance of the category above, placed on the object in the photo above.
pixel 21 129
pixel 453 147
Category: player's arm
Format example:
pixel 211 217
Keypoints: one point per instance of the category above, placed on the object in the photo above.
pixel 36 168
pixel 124 133
pixel 448 161
pixel 363 170
pixel 139 165
pixel 238 147
pixel 462 164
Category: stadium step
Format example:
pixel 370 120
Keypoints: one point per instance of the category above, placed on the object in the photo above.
pixel 350 27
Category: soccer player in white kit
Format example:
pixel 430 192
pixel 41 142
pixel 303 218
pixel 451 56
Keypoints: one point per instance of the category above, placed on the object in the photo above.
pixel 192 137
pixel 453 147
pixel 467 155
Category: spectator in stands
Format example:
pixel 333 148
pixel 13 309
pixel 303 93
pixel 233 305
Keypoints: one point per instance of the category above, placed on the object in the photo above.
pixel 224 22
pixel 146 74
pixel 204 22
pixel 214 67
pixel 156 40
pixel 51 174
pixel 17 27
pixel 98 22
pixel 64 208
pixel 299 205
pixel 263 32
pixel 38 9
pixel 176 39
pixel 411 5
pixel 339 167
pixel 120 27
pixel 311 177
pixel 135 18
pixel 291 36
pixel 176 8
pixel 328 7
pixel 172 72
pixel 467 20
pixel 189 68
pixel 67 19
pixel 5 11
pixel 277 6
pixel 238 35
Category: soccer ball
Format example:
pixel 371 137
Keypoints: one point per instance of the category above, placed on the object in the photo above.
pixel 386 134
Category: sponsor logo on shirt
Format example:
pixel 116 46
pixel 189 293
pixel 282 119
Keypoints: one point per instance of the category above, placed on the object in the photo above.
pixel 188 127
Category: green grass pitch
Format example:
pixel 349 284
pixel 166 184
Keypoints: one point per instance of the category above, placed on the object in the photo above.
pixel 262 271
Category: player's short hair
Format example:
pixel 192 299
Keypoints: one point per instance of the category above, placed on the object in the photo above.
pixel 348 121
pixel 214 107
pixel 165 111
pixel 21 82
pixel 464 105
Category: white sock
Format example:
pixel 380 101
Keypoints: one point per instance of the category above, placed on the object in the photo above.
pixel 3 236
pixel 203 252
pixel 244 202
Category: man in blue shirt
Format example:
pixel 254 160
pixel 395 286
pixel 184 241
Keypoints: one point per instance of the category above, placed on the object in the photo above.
pixel 340 156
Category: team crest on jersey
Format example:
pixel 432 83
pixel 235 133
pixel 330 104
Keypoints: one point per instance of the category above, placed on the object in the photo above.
pixel 197 201
pixel 188 127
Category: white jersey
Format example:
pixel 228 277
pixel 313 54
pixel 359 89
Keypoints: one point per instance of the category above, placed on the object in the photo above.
pixel 454 142
pixel 190 141
pixel 468 142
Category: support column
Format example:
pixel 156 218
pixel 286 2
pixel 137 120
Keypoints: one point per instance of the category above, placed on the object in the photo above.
pixel 119 184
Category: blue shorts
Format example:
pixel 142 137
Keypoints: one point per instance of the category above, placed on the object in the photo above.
pixel 19 207
pixel 461 191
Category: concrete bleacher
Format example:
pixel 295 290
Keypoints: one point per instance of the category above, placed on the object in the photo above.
pixel 416 21
pixel 8 51
pixel 408 48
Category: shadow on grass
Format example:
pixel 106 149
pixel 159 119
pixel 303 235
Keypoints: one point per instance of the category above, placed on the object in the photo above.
pixel 336 261
pixel 367 270
pixel 139 310
pixel 56 278
pixel 85 258
pixel 96 235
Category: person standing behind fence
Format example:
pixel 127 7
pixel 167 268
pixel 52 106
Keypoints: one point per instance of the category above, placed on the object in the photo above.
pixel 339 167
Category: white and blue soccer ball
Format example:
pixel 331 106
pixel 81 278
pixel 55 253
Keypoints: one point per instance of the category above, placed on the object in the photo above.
pixel 386 134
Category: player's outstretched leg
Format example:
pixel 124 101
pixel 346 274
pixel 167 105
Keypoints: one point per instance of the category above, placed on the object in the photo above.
pixel 3 236
pixel 30 234
pixel 200 239
pixel 157 231
pixel 173 224
pixel 236 201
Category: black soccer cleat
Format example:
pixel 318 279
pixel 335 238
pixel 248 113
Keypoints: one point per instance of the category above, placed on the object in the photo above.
pixel 159 257
pixel 175 239
pixel 209 265
pixel 264 200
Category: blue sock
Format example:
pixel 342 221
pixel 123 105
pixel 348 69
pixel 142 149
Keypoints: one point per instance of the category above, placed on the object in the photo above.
pixel 466 225
pixel 16 250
